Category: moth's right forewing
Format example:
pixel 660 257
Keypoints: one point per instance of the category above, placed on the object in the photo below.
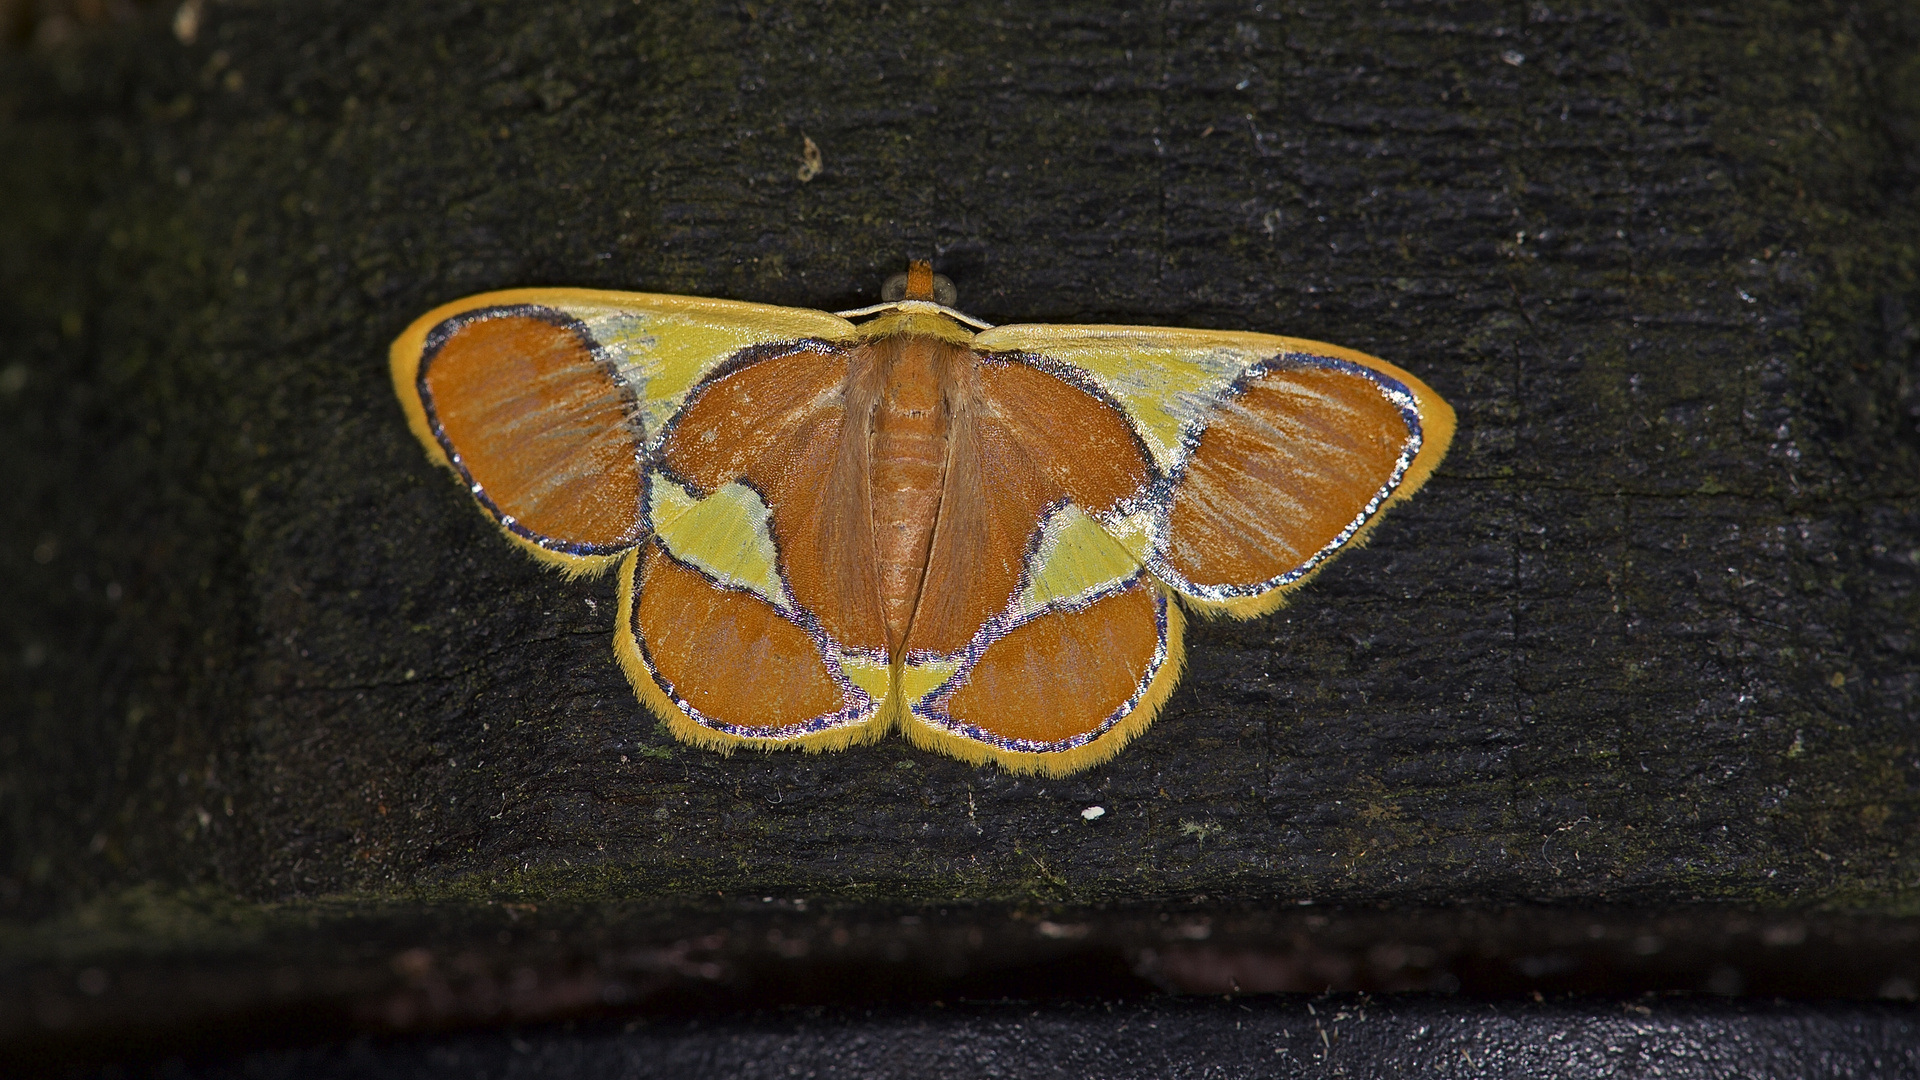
pixel 1274 453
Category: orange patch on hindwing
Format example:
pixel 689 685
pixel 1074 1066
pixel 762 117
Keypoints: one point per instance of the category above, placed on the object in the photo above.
pixel 1065 673
pixel 774 676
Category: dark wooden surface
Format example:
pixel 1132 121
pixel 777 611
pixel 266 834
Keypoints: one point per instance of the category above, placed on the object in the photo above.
pixel 1647 640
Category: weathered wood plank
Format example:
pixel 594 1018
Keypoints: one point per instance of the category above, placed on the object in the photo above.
pixel 1648 638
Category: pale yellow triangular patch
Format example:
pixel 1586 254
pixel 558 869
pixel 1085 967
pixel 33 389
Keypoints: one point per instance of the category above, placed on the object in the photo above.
pixel 918 679
pixel 873 676
pixel 725 534
pixel 1164 379
pixel 1075 557
pixel 664 346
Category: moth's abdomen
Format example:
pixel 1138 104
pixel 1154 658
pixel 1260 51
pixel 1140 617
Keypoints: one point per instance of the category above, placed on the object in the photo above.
pixel 909 440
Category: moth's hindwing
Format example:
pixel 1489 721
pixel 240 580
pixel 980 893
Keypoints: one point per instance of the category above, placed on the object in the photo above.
pixel 727 667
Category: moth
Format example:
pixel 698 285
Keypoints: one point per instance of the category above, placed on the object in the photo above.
pixel 828 526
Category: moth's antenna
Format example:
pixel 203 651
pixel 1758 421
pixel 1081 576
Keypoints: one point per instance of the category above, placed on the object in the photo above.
pixel 919 283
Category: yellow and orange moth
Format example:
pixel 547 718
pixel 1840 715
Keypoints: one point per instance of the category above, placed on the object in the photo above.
pixel 830 525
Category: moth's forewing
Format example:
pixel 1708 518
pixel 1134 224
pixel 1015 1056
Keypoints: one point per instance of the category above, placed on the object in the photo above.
pixel 1275 453
pixel 517 400
pixel 544 400
pixel 1289 468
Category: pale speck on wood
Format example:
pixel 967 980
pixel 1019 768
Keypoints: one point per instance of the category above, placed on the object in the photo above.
pixel 810 160
pixel 186 22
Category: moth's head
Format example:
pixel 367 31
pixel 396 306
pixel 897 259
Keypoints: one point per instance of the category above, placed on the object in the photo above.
pixel 920 283
pixel 916 302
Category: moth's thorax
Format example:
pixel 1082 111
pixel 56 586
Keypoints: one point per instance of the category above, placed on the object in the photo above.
pixel 915 320
pixel 921 378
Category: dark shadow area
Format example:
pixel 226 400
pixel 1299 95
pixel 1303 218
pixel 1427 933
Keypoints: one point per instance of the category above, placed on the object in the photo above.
pixel 1266 1036
pixel 549 966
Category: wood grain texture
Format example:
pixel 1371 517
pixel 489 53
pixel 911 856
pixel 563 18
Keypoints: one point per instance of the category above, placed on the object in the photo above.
pixel 1645 639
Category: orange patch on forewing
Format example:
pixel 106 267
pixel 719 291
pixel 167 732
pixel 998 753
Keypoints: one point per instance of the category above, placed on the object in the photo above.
pixel 1022 440
pixel 541 425
pixel 729 654
pixel 1279 472
pixel 1082 444
pixel 1065 673
pixel 747 422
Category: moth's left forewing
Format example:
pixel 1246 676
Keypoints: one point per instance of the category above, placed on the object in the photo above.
pixel 544 401
pixel 1273 453
pixel 662 347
